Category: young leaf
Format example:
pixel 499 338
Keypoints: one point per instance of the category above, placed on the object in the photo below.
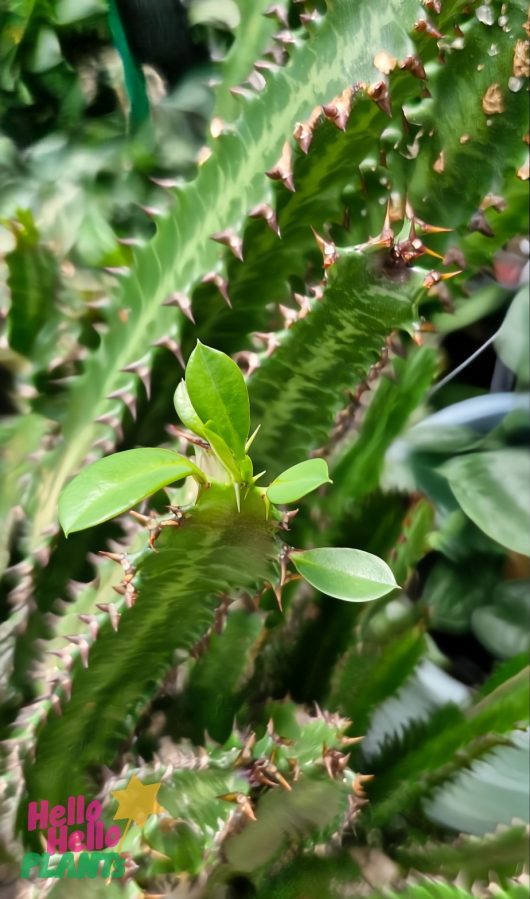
pixel 185 410
pixel 344 573
pixel 114 484
pixel 218 393
pixel 294 483
pixel 223 452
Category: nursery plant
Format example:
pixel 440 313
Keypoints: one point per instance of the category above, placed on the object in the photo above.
pixel 264 548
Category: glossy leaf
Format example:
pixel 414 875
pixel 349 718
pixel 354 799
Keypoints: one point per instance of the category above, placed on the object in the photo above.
pixel 512 341
pixel 116 483
pixel 296 482
pixel 219 395
pixel 344 573
pixel 493 489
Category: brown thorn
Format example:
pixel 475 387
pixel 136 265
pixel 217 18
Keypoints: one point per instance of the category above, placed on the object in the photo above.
pixel 250 360
pixel 126 397
pixel 303 136
pixel 110 609
pixel 175 431
pixel 169 344
pixel 266 212
pixel 114 557
pixel 266 65
pixel 92 624
pixel 83 646
pixel 183 302
pixel 143 519
pixel 308 18
pixel 379 93
pixel 338 111
pixel 230 239
pixel 269 338
pixel 285 38
pixel 277 11
pixel 112 421
pixel 221 284
pixel 283 169
pixel 142 370
pixel 239 91
pixel 327 248
pixel 414 65
pixel 423 26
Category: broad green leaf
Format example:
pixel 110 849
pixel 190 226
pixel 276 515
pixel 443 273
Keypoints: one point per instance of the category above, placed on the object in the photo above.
pixel 344 573
pixel 493 489
pixel 185 410
pixel 114 484
pixel 512 341
pixel 501 625
pixel 296 482
pixel 219 395
pixel 46 52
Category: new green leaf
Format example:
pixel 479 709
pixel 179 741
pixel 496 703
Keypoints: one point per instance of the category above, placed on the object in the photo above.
pixel 114 484
pixel 344 573
pixel 185 410
pixel 218 393
pixel 296 482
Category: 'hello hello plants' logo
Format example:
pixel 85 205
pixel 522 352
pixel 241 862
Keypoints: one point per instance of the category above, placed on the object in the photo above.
pixel 78 844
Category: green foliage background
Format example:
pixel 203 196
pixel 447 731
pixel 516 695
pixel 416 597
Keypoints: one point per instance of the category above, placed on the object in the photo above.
pixel 389 132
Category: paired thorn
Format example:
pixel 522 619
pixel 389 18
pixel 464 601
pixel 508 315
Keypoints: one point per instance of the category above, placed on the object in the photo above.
pixel 277 11
pixel 285 38
pixel 127 398
pixel 283 170
pixel 142 370
pixel 423 26
pixel 327 248
pixel 380 94
pixel 110 609
pixel 266 212
pixel 221 284
pixel 183 302
pixel 230 239
pixel 240 92
pixel 434 277
pixel 309 18
pixel 414 65
pixel 175 431
pixel 114 557
pixel 113 422
pixel 287 518
pixel 168 343
pixel 92 622
pixel 303 136
pixel 338 111
pixel 269 339
pixel 249 360
pixel 83 646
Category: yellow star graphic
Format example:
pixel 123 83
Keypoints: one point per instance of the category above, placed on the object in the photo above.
pixel 137 802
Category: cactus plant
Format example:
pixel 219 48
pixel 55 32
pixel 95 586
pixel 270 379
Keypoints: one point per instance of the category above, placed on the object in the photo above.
pixel 258 660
